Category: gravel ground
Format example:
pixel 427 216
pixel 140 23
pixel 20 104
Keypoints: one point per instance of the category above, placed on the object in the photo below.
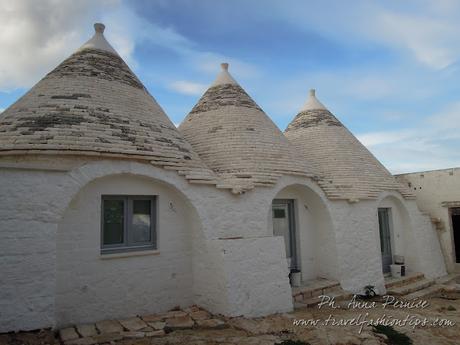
pixel 277 328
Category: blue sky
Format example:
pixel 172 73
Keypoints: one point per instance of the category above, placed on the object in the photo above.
pixel 388 70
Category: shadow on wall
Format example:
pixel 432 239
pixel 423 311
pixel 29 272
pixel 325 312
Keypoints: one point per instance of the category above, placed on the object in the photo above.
pixel 398 239
pixel 94 286
pixel 307 230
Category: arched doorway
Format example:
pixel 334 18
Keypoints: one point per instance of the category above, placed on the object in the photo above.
pixel 301 216
pixel 394 230
pixel 94 285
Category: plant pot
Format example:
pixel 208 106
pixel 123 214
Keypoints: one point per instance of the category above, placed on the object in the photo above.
pixel 396 270
pixel 398 259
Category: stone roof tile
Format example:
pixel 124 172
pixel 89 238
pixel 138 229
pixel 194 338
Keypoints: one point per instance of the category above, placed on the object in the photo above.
pixel 347 169
pixel 236 139
pixel 93 103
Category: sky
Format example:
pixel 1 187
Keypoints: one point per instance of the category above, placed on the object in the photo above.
pixel 389 70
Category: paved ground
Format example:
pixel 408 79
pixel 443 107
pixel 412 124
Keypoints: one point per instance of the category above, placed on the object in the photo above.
pixel 273 329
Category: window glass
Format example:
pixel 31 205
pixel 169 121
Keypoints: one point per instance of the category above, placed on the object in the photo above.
pixel 141 221
pixel 128 223
pixel 279 213
pixel 113 221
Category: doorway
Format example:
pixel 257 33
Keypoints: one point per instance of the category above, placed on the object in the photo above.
pixel 284 225
pixel 455 216
pixel 385 238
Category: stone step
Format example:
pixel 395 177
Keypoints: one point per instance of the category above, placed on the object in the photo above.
pixel 410 288
pixel 314 288
pixel 338 294
pixel 424 293
pixel 400 281
pixel 448 279
pixel 312 302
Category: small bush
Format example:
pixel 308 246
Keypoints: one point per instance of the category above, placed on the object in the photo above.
pixel 394 337
pixel 451 308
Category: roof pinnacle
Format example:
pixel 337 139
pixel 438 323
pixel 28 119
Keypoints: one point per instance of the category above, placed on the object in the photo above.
pixel 99 27
pixel 98 40
pixel 312 102
pixel 224 76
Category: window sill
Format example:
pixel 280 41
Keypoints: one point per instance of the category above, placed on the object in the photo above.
pixel 109 256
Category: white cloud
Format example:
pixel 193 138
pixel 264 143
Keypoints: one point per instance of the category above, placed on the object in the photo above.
pixel 342 91
pixel 427 30
pixel 209 62
pixel 129 27
pixel 430 40
pixel 48 31
pixel 388 137
pixel 188 87
pixel 36 35
pixel 431 144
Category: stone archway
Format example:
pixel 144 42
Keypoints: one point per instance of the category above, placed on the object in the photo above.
pixel 91 286
pixel 400 241
pixel 314 237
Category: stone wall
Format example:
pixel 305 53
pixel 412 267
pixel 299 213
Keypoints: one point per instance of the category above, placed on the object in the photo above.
pixel 316 245
pixel 436 191
pixel 30 202
pixel 92 286
pixel 216 249
pixel 40 195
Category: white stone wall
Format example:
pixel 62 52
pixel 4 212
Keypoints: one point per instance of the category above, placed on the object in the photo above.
pixel 401 233
pixel 358 247
pixel 358 242
pixel 217 249
pixel 40 194
pixel 257 274
pixel 316 245
pixel 427 245
pixel 29 202
pixel 92 287
pixel 432 189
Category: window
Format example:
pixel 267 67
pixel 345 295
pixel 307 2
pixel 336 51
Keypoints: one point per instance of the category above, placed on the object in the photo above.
pixel 128 223
pixel 279 213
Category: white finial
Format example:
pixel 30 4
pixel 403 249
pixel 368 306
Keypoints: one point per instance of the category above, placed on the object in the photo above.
pixel 98 41
pixel 224 77
pixel 312 102
pixel 99 27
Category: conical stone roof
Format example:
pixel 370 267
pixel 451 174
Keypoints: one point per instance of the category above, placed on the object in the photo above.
pixel 93 104
pixel 236 139
pixel 348 169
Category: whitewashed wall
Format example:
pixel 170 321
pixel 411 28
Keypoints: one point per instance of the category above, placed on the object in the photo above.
pixel 92 287
pixel 427 246
pixel 39 194
pixel 432 189
pixel 29 206
pixel 358 248
pixel 401 232
pixel 417 237
pixel 316 245
pixel 221 246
